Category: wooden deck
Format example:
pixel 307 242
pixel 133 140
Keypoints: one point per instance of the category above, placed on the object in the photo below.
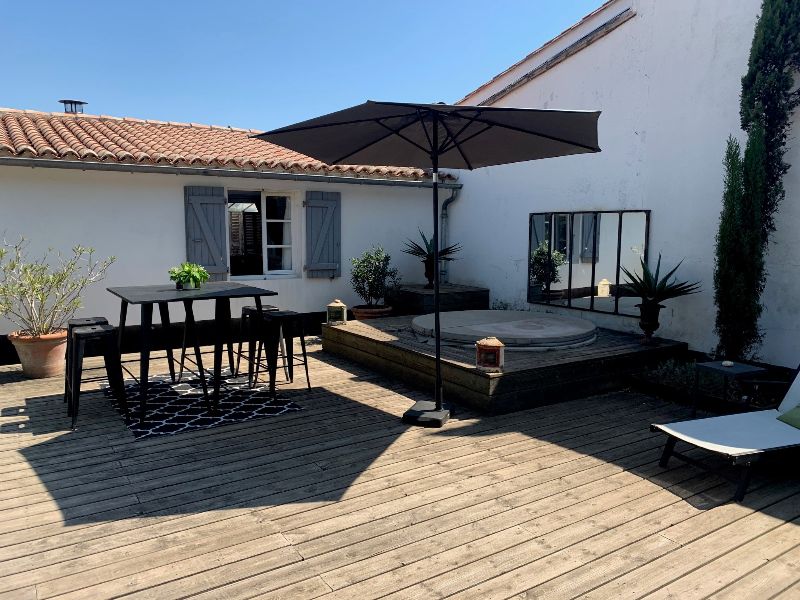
pixel 342 501
pixel 530 378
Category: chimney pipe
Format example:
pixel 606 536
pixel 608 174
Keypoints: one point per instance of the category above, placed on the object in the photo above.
pixel 73 106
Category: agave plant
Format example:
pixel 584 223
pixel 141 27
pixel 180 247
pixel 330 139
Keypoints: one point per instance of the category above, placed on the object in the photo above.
pixel 652 288
pixel 425 252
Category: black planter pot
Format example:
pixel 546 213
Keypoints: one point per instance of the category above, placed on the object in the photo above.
pixel 648 318
pixel 428 262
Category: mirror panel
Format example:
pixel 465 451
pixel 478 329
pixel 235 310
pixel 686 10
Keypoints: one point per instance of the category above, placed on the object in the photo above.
pixel 574 258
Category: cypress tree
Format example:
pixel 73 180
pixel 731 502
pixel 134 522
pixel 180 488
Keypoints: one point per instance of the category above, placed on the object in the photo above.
pixel 737 278
pixel 754 185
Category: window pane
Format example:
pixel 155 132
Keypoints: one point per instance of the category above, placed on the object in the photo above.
pixel 278 207
pixel 279 234
pixel 279 259
pixel 605 261
pixel 244 218
pixel 560 257
pixel 632 250
pixel 538 257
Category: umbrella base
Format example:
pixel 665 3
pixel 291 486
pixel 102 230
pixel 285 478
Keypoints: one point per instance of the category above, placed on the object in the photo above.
pixel 424 413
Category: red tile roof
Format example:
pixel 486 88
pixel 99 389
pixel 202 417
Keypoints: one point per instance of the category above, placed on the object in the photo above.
pixel 92 138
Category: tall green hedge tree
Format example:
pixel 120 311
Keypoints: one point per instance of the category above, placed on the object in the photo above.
pixel 738 272
pixel 754 185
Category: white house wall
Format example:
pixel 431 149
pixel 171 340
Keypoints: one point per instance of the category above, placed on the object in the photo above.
pixel 139 218
pixel 667 83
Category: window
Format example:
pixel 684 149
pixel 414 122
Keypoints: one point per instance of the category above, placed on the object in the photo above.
pixel 259 227
pixel 278 213
pixel 244 218
pixel 575 258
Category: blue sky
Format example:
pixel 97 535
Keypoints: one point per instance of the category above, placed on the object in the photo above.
pixel 263 64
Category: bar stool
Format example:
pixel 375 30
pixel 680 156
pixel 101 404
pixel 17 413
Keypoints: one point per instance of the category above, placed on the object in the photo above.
pixel 107 335
pixel 287 324
pixel 249 331
pixel 72 324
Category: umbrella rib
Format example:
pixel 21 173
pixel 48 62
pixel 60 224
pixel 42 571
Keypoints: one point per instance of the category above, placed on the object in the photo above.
pixel 307 127
pixel 456 144
pixel 538 134
pixel 467 124
pixel 477 133
pixel 402 137
pixel 424 127
pixel 371 142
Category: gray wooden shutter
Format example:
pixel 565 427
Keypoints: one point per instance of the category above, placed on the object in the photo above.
pixel 205 229
pixel 588 224
pixel 323 234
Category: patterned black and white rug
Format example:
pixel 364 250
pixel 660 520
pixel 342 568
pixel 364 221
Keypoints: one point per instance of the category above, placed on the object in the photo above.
pixel 177 407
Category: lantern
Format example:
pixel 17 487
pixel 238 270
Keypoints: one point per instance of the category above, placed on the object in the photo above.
pixel 603 288
pixel 490 355
pixel 337 313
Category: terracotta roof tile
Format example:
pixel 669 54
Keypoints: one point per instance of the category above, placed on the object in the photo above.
pixel 62 136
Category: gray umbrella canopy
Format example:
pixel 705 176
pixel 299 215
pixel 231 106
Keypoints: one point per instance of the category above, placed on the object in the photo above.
pixel 468 137
pixel 434 136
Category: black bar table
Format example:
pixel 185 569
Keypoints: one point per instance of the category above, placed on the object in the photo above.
pixel 148 295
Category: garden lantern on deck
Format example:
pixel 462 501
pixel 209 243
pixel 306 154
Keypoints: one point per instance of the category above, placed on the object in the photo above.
pixel 337 312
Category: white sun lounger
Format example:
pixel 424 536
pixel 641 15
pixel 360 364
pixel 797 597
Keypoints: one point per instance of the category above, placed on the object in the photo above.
pixel 743 438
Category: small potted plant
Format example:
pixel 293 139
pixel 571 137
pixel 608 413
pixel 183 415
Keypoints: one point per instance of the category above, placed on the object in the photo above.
pixel 371 276
pixel 425 252
pixel 653 290
pixel 188 276
pixel 39 296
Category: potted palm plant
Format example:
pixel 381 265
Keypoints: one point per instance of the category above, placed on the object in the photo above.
pixel 370 277
pixel 425 252
pixel 39 296
pixel 653 290
pixel 188 276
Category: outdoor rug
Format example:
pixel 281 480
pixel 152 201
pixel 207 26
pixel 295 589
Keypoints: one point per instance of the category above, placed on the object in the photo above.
pixel 178 407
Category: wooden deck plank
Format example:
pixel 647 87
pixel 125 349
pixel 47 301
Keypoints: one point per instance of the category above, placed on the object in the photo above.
pixel 342 500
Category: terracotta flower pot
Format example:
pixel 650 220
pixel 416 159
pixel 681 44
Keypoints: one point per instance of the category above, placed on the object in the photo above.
pixel 365 312
pixel 40 355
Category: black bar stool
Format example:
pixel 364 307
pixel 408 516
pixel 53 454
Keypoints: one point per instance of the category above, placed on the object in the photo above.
pixel 285 324
pixel 72 324
pixel 107 335
pixel 249 331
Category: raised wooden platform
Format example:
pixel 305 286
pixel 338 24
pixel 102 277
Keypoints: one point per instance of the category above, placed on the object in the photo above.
pixel 530 378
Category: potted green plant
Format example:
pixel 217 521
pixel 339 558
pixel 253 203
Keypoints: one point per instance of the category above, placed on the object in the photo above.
pixel 425 252
pixel 371 276
pixel 188 276
pixel 544 267
pixel 653 290
pixel 39 296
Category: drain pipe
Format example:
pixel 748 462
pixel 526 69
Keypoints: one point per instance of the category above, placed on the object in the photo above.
pixel 444 270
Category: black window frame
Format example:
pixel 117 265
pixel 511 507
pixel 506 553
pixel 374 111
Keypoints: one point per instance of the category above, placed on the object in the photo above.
pixel 549 218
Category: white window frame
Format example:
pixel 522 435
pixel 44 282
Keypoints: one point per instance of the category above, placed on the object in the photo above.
pixel 292 212
pixel 295 228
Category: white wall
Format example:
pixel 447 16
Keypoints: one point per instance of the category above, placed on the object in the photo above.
pixel 139 218
pixel 668 84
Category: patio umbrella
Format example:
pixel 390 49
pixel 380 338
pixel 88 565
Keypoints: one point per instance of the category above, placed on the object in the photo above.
pixel 431 136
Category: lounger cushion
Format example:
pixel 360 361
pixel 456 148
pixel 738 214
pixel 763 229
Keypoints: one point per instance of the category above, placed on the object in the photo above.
pixel 791 417
pixel 736 435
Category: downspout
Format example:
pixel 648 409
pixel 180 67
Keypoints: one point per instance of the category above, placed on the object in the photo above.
pixel 444 269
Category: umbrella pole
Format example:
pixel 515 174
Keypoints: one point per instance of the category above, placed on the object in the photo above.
pixel 425 412
pixel 436 321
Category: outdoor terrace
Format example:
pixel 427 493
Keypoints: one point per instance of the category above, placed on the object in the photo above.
pixel 341 500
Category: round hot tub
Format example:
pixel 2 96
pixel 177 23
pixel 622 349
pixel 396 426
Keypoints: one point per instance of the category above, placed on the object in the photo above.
pixel 512 327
